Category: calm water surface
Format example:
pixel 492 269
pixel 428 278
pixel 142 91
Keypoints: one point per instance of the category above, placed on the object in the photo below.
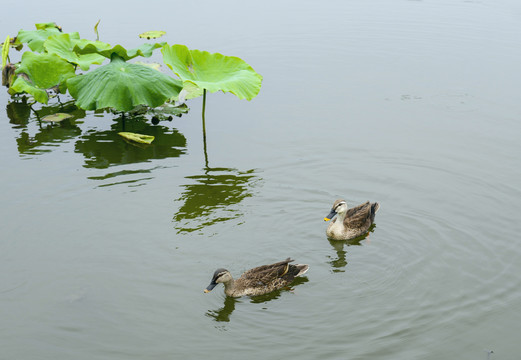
pixel 106 247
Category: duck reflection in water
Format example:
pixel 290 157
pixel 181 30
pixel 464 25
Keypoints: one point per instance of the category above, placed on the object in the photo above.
pixel 339 264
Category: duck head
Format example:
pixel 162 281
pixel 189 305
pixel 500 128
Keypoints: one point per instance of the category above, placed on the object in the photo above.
pixel 219 276
pixel 339 207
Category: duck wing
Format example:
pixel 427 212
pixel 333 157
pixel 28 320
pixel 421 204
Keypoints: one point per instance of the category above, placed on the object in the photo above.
pixel 267 273
pixel 358 216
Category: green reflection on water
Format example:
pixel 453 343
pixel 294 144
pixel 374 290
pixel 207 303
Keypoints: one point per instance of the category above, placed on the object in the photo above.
pixel 208 198
pixel 47 135
pixel 103 149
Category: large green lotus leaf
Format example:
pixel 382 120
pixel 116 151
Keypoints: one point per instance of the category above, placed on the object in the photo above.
pixel 213 72
pixel 122 86
pixel 38 72
pixel 63 44
pixel 36 38
pixel 145 50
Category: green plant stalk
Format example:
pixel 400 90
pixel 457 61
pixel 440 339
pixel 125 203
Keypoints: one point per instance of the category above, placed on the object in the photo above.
pixel 204 129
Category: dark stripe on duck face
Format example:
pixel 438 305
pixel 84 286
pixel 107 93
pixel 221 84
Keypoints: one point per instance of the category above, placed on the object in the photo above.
pixel 340 203
pixel 216 275
pixel 333 211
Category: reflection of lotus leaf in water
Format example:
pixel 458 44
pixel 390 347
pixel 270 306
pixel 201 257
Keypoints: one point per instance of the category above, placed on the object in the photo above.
pixel 18 113
pixel 47 137
pixel 207 201
pixel 105 149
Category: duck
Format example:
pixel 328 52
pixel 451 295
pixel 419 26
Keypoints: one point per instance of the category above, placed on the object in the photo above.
pixel 350 223
pixel 259 280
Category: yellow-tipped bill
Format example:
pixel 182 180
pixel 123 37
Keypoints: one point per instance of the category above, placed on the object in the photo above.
pixel 206 291
pixel 326 219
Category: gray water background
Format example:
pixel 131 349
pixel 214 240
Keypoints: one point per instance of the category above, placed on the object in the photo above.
pixel 106 248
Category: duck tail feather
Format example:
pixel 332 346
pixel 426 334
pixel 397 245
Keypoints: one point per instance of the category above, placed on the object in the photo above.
pixel 374 207
pixel 302 269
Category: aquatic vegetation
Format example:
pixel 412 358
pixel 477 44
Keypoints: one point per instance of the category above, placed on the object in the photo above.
pixel 57 117
pixel 35 38
pixel 5 51
pixel 122 86
pixel 139 138
pixel 152 34
pixel 58 62
pixel 63 45
pixel 39 73
pixel 213 72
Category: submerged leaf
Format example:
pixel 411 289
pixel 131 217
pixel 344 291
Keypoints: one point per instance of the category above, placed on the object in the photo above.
pixel 213 72
pixel 152 34
pixel 57 117
pixel 122 86
pixel 145 50
pixel 39 72
pixel 140 138
pixel 63 45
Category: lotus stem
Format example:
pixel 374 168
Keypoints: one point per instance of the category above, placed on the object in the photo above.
pixel 204 130
pixel 204 105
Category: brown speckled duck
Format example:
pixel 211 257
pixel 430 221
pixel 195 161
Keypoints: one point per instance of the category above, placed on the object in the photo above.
pixel 258 281
pixel 350 223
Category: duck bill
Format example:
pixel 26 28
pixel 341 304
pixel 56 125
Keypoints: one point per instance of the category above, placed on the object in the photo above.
pixel 330 215
pixel 210 287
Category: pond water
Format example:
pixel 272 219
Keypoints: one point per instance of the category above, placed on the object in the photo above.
pixel 106 247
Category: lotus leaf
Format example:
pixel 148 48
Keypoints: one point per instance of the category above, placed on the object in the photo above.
pixel 140 138
pixel 38 72
pixel 5 51
pixel 155 66
pixel 36 38
pixel 152 34
pixel 145 50
pixel 57 117
pixel 213 72
pixel 122 86
pixel 190 91
pixel 169 109
pixel 63 44
pixel 49 25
